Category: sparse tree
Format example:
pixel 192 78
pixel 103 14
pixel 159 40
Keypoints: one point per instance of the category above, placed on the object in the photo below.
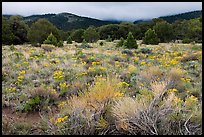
pixel 130 42
pixel 51 39
pixel 151 37
pixel 77 35
pixel 40 30
pixel 90 35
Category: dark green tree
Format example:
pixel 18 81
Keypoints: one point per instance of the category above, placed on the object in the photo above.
pixel 91 35
pixel 130 42
pixel 164 31
pixel 51 39
pixel 19 29
pixel 69 40
pixel 7 34
pixel 77 35
pixel 151 37
pixel 40 30
pixel 121 42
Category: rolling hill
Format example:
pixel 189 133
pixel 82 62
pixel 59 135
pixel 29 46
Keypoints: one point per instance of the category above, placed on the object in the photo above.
pixel 173 18
pixel 68 21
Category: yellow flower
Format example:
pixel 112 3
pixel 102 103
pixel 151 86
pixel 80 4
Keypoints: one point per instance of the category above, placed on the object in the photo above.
pixel 103 69
pixel 25 63
pixel 191 102
pixel 186 80
pixel 83 63
pixel 173 62
pixel 62 104
pixel 91 69
pixel 142 63
pixel 12 89
pixel 22 72
pixel 136 59
pixel 131 68
pixel 60 120
pixel 58 74
pixel 193 98
pixel 53 91
pixel 20 77
pixel 18 65
pixel 118 94
pixel 177 100
pixel 81 74
pixel 64 85
pixel 123 84
pixel 172 90
pixel 95 63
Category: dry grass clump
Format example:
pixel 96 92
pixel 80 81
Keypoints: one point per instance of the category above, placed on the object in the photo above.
pixel 189 57
pixel 152 73
pixel 43 92
pixel 174 78
pixel 89 108
pixel 47 47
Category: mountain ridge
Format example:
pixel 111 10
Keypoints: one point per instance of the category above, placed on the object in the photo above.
pixel 69 21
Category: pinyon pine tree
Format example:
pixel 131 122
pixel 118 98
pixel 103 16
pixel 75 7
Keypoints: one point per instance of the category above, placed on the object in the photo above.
pixel 151 37
pixel 130 42
pixel 51 39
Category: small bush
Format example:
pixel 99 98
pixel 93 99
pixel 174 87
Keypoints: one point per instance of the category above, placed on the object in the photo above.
pixel 128 52
pixel 109 39
pixel 51 39
pixel 145 50
pixel 130 42
pixel 186 40
pixel 84 44
pixel 194 56
pixel 38 98
pixel 151 37
pixel 69 40
pixel 47 47
pixel 60 43
pixel 121 42
pixel 101 43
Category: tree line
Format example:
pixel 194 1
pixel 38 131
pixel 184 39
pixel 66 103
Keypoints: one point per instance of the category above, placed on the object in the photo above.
pixel 16 31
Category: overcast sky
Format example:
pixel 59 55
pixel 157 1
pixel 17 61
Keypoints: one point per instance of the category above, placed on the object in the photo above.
pixel 124 11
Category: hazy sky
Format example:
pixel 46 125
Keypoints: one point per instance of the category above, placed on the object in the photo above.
pixel 130 11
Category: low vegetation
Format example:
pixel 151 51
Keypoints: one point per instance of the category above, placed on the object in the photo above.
pixel 104 90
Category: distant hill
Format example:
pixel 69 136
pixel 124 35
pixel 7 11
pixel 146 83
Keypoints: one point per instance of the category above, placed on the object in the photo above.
pixel 68 21
pixel 182 16
pixel 173 18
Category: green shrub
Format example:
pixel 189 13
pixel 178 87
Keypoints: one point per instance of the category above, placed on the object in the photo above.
pixel 84 44
pixel 51 39
pixel 128 52
pixel 151 37
pixel 38 98
pixel 109 39
pixel 60 43
pixel 145 50
pixel 101 43
pixel 69 40
pixel 130 42
pixel 186 40
pixel 121 42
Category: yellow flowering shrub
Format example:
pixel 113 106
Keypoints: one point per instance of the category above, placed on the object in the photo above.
pixel 131 68
pixel 191 102
pixel 143 63
pixel 123 85
pixel 61 120
pixel 58 75
pixel 22 72
pixel 172 90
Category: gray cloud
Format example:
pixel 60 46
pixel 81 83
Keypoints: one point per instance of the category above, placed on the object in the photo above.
pixel 130 11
